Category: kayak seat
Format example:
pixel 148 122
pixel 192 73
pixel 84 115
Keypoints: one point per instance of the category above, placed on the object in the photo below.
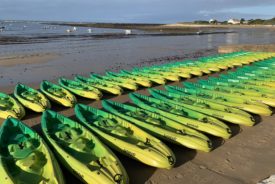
pixel 75 86
pixel 143 116
pixel 33 163
pixel 31 96
pixel 4 105
pixel 67 134
pixel 22 149
pixel 57 92
pixel 82 144
pixel 112 127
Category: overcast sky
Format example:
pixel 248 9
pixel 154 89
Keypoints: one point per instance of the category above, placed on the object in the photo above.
pixel 154 11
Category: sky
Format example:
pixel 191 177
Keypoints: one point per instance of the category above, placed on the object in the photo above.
pixel 138 11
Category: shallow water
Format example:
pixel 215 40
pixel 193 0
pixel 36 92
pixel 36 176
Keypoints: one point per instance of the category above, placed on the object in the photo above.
pixel 81 55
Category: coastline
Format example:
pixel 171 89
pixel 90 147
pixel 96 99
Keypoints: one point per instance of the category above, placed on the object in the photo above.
pixel 166 28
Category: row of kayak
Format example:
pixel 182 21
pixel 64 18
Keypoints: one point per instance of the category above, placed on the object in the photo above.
pixel 181 115
pixel 115 83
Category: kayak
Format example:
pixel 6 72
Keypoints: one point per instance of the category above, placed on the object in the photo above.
pixel 208 103
pixel 199 106
pixel 113 81
pixel 107 88
pixel 80 151
pixel 224 87
pixel 186 74
pixel 246 81
pixel 257 99
pixel 9 107
pixel 24 156
pixel 183 115
pixel 31 98
pixel 223 99
pixel 160 126
pixel 125 137
pixel 238 84
pixel 58 94
pixel 166 76
pixel 231 97
pixel 152 78
pixel 80 89
pixel 140 81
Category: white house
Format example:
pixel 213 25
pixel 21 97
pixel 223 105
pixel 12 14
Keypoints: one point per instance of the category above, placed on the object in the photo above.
pixel 212 21
pixel 234 21
pixel 128 31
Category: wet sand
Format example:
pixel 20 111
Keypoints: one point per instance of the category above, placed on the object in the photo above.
pixel 27 59
pixel 247 157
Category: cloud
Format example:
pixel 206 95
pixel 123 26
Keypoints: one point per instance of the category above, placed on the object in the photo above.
pixel 135 10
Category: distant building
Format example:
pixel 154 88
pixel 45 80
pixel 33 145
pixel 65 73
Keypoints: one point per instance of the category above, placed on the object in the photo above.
pixel 234 21
pixel 128 31
pixel 212 21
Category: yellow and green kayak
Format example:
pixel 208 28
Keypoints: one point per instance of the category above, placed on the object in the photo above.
pixel 31 98
pixel 9 107
pixel 228 100
pixel 24 156
pixel 80 89
pixel 58 94
pixel 80 151
pixel 125 137
pixel 104 87
pixel 202 107
pixel 160 126
pixel 188 117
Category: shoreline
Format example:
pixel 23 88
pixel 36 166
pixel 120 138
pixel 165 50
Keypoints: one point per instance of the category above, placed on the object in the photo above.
pixel 176 27
pixel 9 40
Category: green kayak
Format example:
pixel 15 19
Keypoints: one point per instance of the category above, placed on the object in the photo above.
pixel 80 151
pixel 114 81
pixel 223 88
pixel 183 115
pixel 9 107
pixel 142 82
pixel 260 85
pixel 58 94
pixel 31 98
pixel 256 99
pixel 104 87
pixel 154 78
pixel 223 99
pixel 165 75
pixel 160 126
pixel 197 105
pixel 236 83
pixel 80 89
pixel 208 103
pixel 24 156
pixel 126 137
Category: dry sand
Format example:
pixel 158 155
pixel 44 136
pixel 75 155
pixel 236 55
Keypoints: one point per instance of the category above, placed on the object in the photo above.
pixel 247 157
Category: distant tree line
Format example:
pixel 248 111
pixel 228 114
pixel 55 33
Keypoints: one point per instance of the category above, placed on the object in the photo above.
pixel 242 21
pixel 262 21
